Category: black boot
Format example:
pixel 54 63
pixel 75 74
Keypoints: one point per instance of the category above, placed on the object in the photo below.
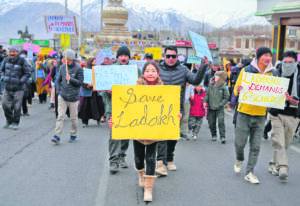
pixel 40 99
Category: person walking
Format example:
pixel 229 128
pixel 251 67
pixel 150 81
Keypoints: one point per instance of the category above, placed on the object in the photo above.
pixel 197 110
pixel 14 74
pixel 69 81
pixel 284 122
pixel 215 99
pixel 251 118
pixel 173 73
pixel 91 104
pixel 189 93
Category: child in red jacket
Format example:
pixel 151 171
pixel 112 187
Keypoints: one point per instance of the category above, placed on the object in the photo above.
pixel 197 111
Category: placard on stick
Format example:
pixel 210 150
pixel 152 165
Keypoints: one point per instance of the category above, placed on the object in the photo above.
pixel 200 46
pixel 146 112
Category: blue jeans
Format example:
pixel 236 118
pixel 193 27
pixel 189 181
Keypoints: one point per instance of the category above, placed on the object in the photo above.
pixel 11 104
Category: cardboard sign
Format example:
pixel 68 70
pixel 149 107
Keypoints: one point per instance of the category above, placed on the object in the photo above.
pixel 46 51
pixel 103 53
pixel 87 76
pixel 194 60
pixel 65 41
pixel 146 112
pixel 200 46
pixel 106 76
pixel 36 48
pixel 156 51
pixel 61 24
pixel 30 53
pixel 263 90
pixel 82 50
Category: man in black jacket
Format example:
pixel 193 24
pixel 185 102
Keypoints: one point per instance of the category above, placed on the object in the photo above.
pixel 14 74
pixel 172 72
pixel 68 86
pixel 284 122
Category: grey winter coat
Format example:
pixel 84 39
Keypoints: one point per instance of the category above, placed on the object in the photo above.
pixel 70 92
pixel 15 73
pixel 180 75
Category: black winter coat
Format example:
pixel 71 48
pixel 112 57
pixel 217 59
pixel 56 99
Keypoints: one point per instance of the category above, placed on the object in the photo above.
pixel 15 73
pixel 180 75
pixel 70 92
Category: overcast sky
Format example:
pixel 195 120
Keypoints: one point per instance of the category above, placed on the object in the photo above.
pixel 211 11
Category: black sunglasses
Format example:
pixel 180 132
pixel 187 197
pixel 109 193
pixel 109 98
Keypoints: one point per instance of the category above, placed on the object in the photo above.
pixel 168 56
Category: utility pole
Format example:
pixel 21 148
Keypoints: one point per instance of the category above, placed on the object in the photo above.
pixel 66 7
pixel 80 26
pixel 101 20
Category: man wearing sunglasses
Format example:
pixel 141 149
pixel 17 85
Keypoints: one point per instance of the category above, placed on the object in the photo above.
pixel 173 73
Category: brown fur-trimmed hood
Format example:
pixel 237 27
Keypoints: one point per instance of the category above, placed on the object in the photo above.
pixel 142 81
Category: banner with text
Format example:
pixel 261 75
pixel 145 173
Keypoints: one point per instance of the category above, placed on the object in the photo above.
pixel 146 112
pixel 61 24
pixel 263 90
pixel 200 46
pixel 106 76
pixel 194 60
pixel 155 51
pixel 36 48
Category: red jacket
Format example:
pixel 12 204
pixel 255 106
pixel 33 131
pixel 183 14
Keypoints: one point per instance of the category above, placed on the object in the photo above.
pixel 197 109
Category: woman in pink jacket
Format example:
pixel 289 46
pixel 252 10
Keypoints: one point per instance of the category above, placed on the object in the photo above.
pixel 197 111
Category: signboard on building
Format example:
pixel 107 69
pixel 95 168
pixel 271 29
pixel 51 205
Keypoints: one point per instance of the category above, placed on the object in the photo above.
pixel 16 41
pixel 42 43
pixel 290 21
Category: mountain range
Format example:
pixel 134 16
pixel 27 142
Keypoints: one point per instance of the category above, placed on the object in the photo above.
pixel 15 15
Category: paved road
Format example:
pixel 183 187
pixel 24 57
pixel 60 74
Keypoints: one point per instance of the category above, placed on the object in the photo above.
pixel 34 172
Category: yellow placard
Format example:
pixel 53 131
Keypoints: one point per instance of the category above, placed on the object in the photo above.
pixel 45 50
pixel 156 51
pixel 145 112
pixel 65 41
pixel 82 50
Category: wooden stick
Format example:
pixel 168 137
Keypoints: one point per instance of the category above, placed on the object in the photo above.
pixel 66 56
pixel 192 68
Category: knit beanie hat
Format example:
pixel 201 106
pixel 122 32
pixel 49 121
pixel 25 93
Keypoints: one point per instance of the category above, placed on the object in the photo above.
pixel 222 79
pixel 261 51
pixel 123 50
pixel 70 54
pixel 215 63
pixel 14 47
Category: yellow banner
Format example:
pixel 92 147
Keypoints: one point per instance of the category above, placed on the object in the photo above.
pixel 156 51
pixel 45 50
pixel 82 50
pixel 145 112
pixel 65 41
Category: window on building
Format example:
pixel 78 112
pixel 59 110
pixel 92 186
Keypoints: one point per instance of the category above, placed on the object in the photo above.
pixel 259 43
pixel 238 43
pixel 292 44
pixel 292 32
pixel 247 44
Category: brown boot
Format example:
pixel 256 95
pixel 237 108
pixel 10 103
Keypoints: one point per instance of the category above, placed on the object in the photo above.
pixel 141 177
pixel 161 169
pixel 149 182
pixel 171 166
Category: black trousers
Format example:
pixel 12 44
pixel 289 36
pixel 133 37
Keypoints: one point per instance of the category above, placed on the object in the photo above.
pixel 165 151
pixel 145 152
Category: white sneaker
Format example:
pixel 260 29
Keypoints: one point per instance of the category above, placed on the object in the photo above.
pixel 237 166
pixel 273 170
pixel 195 137
pixel 250 177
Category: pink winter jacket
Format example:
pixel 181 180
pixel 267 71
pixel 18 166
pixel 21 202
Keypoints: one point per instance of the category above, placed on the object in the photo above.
pixel 197 109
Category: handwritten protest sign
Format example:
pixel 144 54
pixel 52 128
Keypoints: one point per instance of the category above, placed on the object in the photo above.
pixel 194 60
pixel 146 112
pixel 103 53
pixel 156 51
pixel 107 52
pixel 139 63
pixel 61 24
pixel 200 46
pixel 87 76
pixel 106 76
pixel 36 48
pixel 263 90
pixel 65 41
